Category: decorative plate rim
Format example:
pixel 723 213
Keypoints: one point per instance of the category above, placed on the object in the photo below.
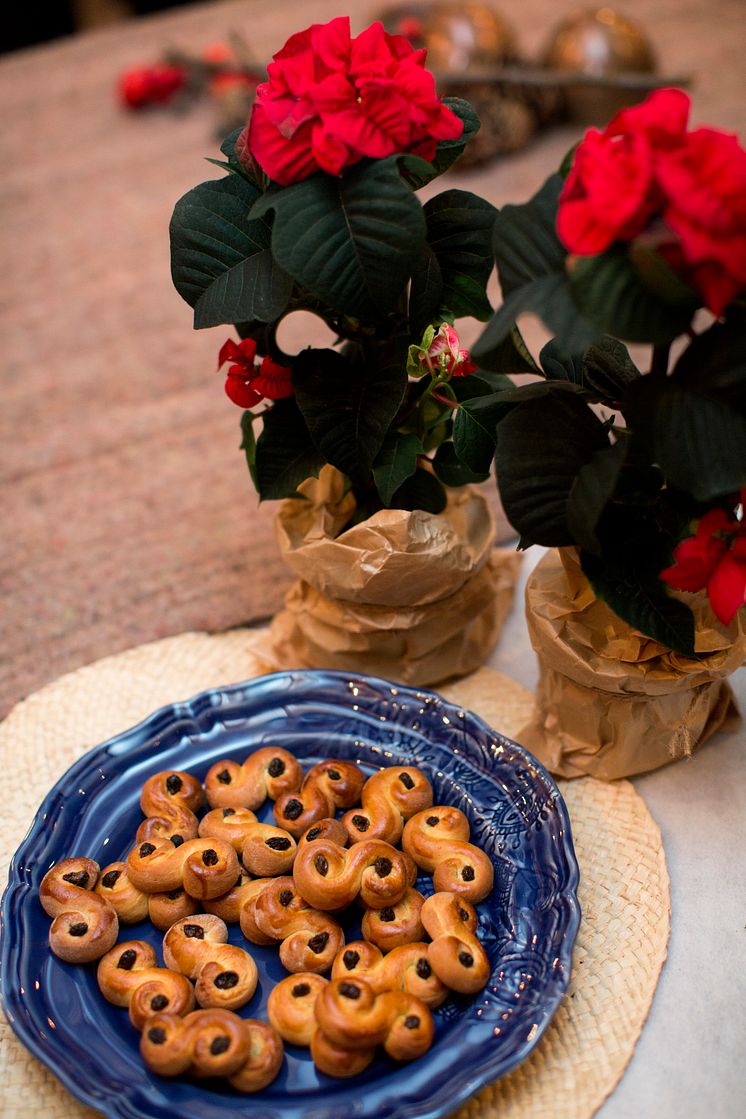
pixel 467 1078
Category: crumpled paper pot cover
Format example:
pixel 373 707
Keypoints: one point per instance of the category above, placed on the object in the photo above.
pixel 612 702
pixel 411 596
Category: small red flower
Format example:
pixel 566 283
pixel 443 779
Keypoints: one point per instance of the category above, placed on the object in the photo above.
pixel 332 100
pixel 247 384
pixel 714 558
pixel 150 85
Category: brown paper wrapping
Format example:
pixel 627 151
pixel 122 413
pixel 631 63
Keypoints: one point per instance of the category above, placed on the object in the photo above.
pixel 612 702
pixel 406 595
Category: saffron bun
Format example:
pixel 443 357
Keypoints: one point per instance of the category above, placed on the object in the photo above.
pixel 331 877
pixel 213 1043
pixel 388 799
pixel 225 975
pixel 84 926
pixel 438 840
pixel 128 975
pixel 330 785
pixel 269 772
pixel 456 955
pixel 205 867
pixel 291 1006
pixel 309 938
pixel 169 800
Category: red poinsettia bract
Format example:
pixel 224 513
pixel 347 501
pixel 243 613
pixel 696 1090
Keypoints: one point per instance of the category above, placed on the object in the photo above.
pixel 331 100
pixel 714 558
pixel 645 167
pixel 248 383
pixel 142 86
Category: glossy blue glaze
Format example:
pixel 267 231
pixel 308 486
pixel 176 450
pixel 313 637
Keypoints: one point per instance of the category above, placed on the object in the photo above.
pixel 528 925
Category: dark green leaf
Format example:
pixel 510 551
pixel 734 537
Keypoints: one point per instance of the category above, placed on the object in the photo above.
pixel 525 240
pixel 603 372
pixel 348 406
pixel 561 366
pixel 426 291
pixel 697 438
pixel 256 290
pixel 353 241
pixel 609 370
pixel 214 250
pixel 395 462
pixel 613 297
pixel 511 355
pixel 516 394
pixel 459 228
pixel 549 297
pixel 715 362
pixel 479 384
pixel 248 443
pixel 641 600
pixel 531 266
pixel 421 491
pixel 285 453
pixel 451 470
pixel 700 443
pixel 474 431
pixel 542 446
pixel 591 492
pixel 418 172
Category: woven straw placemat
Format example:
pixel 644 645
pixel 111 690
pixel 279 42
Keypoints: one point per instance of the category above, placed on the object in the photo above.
pixel 623 892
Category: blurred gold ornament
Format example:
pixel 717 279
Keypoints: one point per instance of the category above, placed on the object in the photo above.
pixel 598 43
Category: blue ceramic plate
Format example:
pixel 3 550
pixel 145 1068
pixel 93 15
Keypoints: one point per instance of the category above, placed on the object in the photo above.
pixel 528 924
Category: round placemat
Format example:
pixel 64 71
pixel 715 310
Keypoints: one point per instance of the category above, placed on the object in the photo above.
pixel 623 890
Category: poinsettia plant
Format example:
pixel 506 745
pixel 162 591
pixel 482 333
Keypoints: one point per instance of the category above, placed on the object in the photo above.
pixel 643 470
pixel 319 212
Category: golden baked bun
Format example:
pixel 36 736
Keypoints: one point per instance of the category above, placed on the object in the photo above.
pixel 290 1006
pixel 206 868
pixel 269 772
pixel 213 1043
pixel 349 1013
pixel 128 975
pixel 229 824
pixel 388 799
pixel 329 828
pixel 438 841
pixel 228 905
pixel 395 925
pixel 84 925
pixel 404 969
pixel 310 938
pixel 330 785
pixel 225 975
pixel 331 877
pixel 169 800
pixel 456 955
pixel 268 851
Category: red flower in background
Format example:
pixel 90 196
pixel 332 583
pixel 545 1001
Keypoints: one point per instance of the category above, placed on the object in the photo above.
pixel 645 166
pixel 150 85
pixel 714 558
pixel 332 100
pixel 247 384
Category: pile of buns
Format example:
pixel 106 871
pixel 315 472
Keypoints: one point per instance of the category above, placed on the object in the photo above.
pixel 285 884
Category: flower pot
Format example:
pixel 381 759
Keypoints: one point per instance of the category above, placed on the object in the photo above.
pixel 612 702
pixel 412 596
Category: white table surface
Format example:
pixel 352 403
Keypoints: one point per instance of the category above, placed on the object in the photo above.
pixel 690 1061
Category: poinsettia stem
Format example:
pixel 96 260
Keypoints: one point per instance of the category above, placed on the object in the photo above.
pixel 659 363
pixel 444 400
